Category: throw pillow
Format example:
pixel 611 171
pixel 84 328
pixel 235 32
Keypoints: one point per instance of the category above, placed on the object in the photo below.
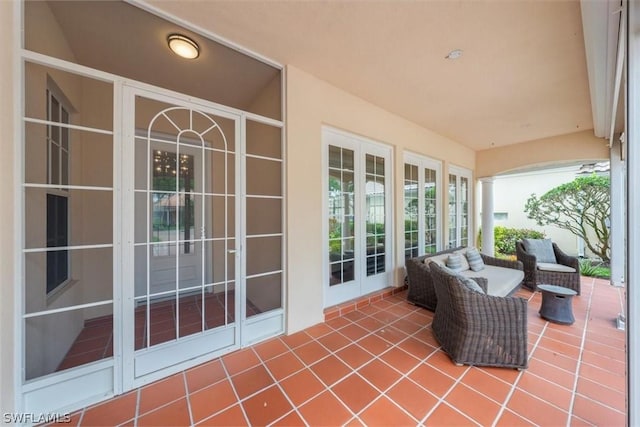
pixel 471 284
pixel 454 262
pixel 541 248
pixel 465 263
pixel 475 260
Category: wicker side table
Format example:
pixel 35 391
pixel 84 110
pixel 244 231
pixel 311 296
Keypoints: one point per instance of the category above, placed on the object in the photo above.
pixel 556 304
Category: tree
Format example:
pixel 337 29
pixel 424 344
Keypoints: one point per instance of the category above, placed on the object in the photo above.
pixel 581 206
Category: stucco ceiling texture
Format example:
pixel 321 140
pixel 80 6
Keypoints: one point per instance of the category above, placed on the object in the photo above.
pixel 522 75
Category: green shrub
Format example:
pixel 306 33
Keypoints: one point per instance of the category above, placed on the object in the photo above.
pixel 505 238
pixel 587 268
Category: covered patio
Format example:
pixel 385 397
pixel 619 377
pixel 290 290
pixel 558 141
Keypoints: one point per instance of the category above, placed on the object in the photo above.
pixel 380 365
pixel 311 148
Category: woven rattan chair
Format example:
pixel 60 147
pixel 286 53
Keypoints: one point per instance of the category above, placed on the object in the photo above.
pixel 478 329
pixel 534 276
pixel 421 291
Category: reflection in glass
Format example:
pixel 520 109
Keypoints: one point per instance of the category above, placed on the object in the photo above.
pixel 264 293
pixel 453 213
pixel 411 205
pixel 341 215
pixel 464 211
pixel 87 337
pixel 430 211
pixel 375 221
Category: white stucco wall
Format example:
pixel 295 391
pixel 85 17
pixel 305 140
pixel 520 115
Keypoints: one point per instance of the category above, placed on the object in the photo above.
pixel 312 103
pixel 510 196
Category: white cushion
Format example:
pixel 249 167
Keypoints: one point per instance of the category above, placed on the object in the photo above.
pixel 559 268
pixel 439 259
pixel 541 248
pixel 500 281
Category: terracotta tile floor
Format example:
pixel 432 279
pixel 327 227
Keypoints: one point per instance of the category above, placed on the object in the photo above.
pixel 381 366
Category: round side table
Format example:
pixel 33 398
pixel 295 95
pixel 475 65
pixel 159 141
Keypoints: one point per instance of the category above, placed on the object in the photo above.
pixel 556 304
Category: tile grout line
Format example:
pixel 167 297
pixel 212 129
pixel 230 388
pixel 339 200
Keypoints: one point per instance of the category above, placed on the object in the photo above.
pixel 517 379
pixel 186 395
pixel 354 371
pixel 579 359
pixel 424 361
pixel 238 400
pixel 277 384
pixel 137 412
pixel 442 400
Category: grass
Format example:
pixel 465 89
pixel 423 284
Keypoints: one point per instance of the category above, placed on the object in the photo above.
pixel 587 268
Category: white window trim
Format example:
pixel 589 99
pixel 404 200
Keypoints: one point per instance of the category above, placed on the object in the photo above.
pixel 424 162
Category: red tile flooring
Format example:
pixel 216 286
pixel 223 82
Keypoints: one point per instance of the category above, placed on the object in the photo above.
pixel 380 365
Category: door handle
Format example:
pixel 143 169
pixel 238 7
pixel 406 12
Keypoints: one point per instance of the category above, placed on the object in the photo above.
pixel 231 251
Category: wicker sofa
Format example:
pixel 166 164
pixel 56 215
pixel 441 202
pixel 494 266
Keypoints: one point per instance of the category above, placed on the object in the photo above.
pixel 565 272
pixel 504 277
pixel 474 328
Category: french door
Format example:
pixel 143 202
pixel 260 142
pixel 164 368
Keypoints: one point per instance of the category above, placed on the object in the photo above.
pixel 184 301
pixel 358 216
pixel 460 225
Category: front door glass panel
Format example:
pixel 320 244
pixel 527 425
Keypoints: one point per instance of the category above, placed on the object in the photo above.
pixel 184 193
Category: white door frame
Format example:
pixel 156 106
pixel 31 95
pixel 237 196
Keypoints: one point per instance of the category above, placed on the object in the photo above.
pixel 361 284
pixel 143 366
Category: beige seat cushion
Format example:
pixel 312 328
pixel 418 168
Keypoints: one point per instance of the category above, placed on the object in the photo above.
pixel 558 268
pixel 500 281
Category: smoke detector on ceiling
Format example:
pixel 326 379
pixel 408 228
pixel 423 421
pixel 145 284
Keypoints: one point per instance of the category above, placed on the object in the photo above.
pixel 454 54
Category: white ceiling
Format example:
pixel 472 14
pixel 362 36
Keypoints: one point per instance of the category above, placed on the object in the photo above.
pixel 522 75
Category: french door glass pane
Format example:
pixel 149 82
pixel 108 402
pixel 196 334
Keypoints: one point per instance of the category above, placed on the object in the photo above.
pixel 341 215
pixel 453 213
pixel 411 205
pixel 375 195
pixel 184 226
pixel 464 211
pixel 430 211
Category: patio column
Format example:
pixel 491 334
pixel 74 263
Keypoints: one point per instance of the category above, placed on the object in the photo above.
pixel 617 232
pixel 487 216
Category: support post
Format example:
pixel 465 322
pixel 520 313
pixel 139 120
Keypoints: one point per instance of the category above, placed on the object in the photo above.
pixel 487 216
pixel 633 212
pixel 617 232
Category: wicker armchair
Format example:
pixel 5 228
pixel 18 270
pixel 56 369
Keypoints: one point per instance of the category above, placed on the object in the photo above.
pixel 479 329
pixel 534 276
pixel 421 291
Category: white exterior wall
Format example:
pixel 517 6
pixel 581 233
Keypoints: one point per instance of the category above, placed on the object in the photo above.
pixel 510 194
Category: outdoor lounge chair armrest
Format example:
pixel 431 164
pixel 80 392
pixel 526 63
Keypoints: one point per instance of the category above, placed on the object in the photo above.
pixel 565 259
pixel 483 282
pixel 497 262
pixel 513 310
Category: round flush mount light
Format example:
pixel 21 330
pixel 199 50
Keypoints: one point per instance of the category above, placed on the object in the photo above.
pixel 183 46
pixel 454 54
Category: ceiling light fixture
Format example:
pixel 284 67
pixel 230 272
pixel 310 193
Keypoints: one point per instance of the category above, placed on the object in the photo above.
pixel 183 46
pixel 454 54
